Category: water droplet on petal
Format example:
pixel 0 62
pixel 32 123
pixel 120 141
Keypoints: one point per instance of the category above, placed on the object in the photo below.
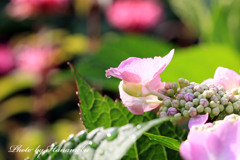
pixel 112 134
pixel 107 75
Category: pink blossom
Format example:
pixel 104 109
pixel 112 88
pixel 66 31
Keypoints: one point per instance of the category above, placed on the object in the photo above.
pixel 34 59
pixel 134 14
pixel 140 78
pixel 225 77
pixel 198 120
pixel 219 140
pixel 22 9
pixel 6 59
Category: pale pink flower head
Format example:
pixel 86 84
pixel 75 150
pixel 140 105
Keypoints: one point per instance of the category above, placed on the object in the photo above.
pixel 213 141
pixel 140 77
pixel 6 59
pixel 34 59
pixel 225 77
pixel 134 14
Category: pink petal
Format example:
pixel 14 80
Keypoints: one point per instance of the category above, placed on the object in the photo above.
pixel 228 78
pixel 209 81
pixel 198 120
pixel 137 105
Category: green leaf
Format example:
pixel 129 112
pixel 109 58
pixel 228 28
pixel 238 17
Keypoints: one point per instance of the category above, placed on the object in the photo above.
pixel 165 141
pixel 99 144
pixel 97 111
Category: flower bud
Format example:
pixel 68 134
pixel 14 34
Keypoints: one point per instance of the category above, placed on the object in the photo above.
pixel 201 96
pixel 204 102
pixel 213 88
pixel 232 98
pixel 200 109
pixel 221 107
pixel 163 109
pixel 178 116
pixel 234 91
pixel 163 114
pixel 192 112
pixel 168 86
pixel 221 93
pixel 174 86
pixel 229 109
pixel 207 110
pixel 172 111
pixel 198 88
pixel 185 113
pixel 175 103
pixel 189 91
pixel 170 92
pixel 208 94
pixel 213 104
pixel 167 102
pixel 204 87
pixel 183 82
pixel 180 96
pixel 196 94
pixel 216 111
pixel 224 101
pixel 182 103
pixel 236 105
pixel 196 101
pixel 188 96
pixel 188 105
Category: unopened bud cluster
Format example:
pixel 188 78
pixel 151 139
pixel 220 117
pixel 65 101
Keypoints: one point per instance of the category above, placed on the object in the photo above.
pixel 192 99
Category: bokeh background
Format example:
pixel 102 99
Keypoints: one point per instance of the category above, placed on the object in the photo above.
pixel 38 103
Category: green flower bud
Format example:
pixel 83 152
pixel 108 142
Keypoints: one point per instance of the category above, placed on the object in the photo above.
pixel 224 101
pixel 188 105
pixel 162 114
pixel 207 110
pixel 182 103
pixel 170 92
pixel 185 113
pixel 189 91
pixel 201 96
pixel 215 98
pixel 234 91
pixel 229 109
pixel 167 102
pixel 213 104
pixel 196 101
pixel 168 86
pixel 164 109
pixel 216 111
pixel 221 93
pixel 175 103
pixel 200 109
pixel 226 96
pixel 204 102
pixel 198 88
pixel 178 116
pixel 207 94
pixel 236 105
pixel 204 87
pixel 196 94
pixel 221 107
pixel 174 86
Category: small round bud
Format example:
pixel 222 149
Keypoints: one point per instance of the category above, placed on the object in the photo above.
pixel 236 105
pixel 221 93
pixel 182 103
pixel 198 88
pixel 214 98
pixel 234 91
pixel 226 96
pixel 170 92
pixel 168 86
pixel 185 113
pixel 213 88
pixel 204 87
pixel 183 82
pixel 167 102
pixel 178 116
pixel 188 96
pixel 162 114
pixel 192 112
pixel 164 109
pixel 213 104
pixel 180 96
pixel 171 111
pixel 224 101
pixel 201 96
pixel 188 105
pixel 232 98
pixel 200 109
pixel 189 91
pixel 196 94
pixel 221 107
pixel 204 102
pixel 229 109
pixel 175 103
pixel 221 88
pixel 196 102
pixel 174 86
pixel 207 94
pixel 207 110
pixel 216 111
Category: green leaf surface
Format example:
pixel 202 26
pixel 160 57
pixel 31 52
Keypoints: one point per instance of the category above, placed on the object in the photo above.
pixel 99 144
pixel 165 141
pixel 97 111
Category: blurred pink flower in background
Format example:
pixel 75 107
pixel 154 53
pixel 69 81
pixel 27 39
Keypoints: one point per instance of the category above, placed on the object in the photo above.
pixel 141 77
pixel 134 15
pixel 22 9
pixel 225 77
pixel 6 59
pixel 217 141
pixel 34 59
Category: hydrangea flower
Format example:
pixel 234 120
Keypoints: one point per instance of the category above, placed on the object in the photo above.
pixel 134 14
pixel 6 59
pixel 228 78
pixel 141 77
pixel 219 140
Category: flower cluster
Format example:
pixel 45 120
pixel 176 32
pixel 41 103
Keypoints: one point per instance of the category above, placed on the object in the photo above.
pixel 218 140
